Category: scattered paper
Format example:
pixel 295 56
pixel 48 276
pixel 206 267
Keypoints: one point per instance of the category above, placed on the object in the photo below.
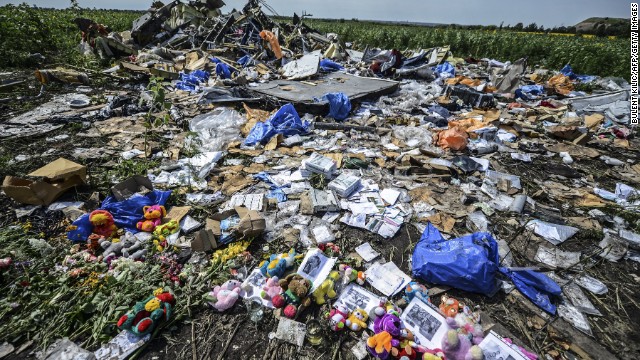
pixel 121 346
pixel 390 196
pixel 387 278
pixel 367 252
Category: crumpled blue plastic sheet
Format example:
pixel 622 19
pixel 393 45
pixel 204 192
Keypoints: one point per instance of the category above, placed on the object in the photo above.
pixel 190 81
pixel 469 263
pixel 339 105
pixel 529 92
pixel 445 69
pixel 537 287
pixel 276 191
pixel 567 70
pixel 246 61
pixel 327 65
pixel 126 213
pixel 285 121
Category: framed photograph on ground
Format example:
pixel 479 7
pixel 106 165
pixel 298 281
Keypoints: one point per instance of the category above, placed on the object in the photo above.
pixel 426 323
pixel 355 296
pixel 494 348
pixel 252 287
pixel 316 267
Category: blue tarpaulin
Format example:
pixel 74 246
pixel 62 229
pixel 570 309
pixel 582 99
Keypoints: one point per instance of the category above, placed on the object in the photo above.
pixel 327 65
pixel 339 105
pixel 567 70
pixel 469 263
pixel 286 121
pixel 246 61
pixel 126 213
pixel 445 69
pixel 222 70
pixel 190 81
pixel 537 287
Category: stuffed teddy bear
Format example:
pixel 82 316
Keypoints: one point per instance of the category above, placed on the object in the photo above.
pixel 146 314
pixel 338 317
pixel 392 324
pixel 271 289
pixel 433 354
pixel 152 217
pixel 458 347
pixel 225 296
pixel 296 288
pixel 277 264
pixel 449 306
pixel 404 351
pixel 414 289
pixel 357 320
pixel 326 289
pixel 103 223
pixel 380 345
pixel 128 247
pixel 465 332
pixel 349 275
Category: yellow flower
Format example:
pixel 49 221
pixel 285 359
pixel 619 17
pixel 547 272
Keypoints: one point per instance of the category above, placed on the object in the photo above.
pixel 158 291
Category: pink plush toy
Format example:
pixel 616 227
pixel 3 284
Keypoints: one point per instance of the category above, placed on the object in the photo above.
pixel 461 342
pixel 152 217
pixel 271 288
pixel 338 317
pixel 225 296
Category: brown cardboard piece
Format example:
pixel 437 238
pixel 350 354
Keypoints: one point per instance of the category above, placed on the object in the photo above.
pixel 177 213
pixel 251 224
pixel 58 176
pixel 130 186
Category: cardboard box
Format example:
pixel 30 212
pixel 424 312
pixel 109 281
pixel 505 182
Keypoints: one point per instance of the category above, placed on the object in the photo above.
pixel 251 224
pixel 57 177
pixel 135 184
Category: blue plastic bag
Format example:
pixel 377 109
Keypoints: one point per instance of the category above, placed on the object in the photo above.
pixel 468 263
pixel 339 105
pixel 537 287
pixel 126 213
pixel 327 65
pixel 275 191
pixel 445 69
pixel 285 121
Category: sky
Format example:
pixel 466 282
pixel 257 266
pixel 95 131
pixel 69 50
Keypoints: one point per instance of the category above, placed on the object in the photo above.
pixel 549 13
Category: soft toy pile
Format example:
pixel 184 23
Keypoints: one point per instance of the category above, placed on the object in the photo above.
pixel 147 314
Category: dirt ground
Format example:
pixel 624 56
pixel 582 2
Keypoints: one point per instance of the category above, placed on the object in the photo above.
pixel 232 335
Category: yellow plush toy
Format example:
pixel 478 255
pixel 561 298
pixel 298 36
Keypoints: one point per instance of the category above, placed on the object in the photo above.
pixel 357 320
pixel 326 289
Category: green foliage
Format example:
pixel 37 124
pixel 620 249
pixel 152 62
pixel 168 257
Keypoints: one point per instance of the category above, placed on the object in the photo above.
pixel 593 56
pixel 28 30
